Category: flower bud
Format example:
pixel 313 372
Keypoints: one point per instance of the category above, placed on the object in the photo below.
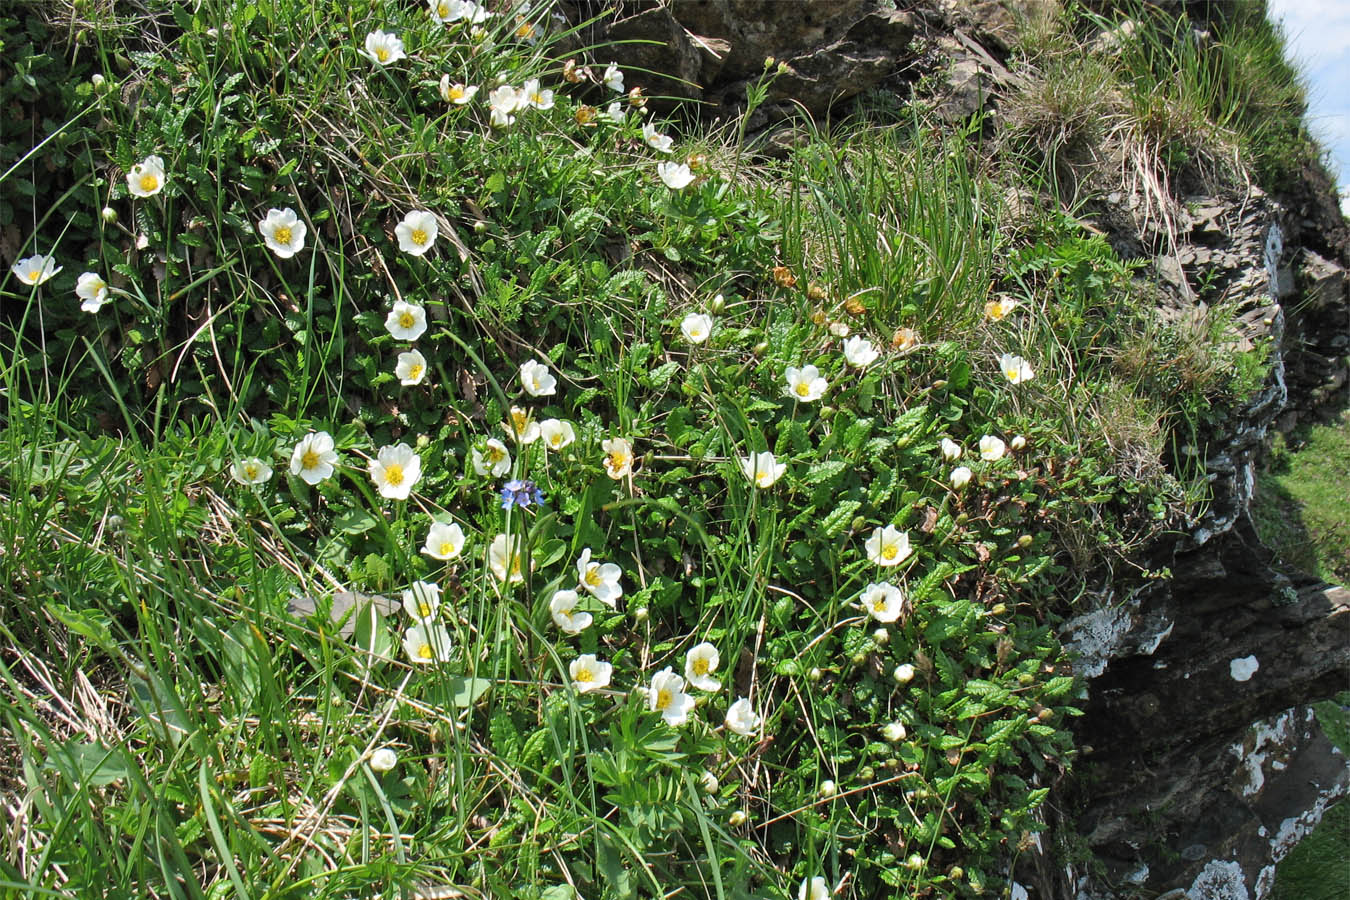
pixel 859 658
pixel 1024 541
pixel 894 732
pixel 903 674
pixel 718 304
pixel 708 781
pixel 109 214
pixel 960 477
pixel 423 442
pixel 1018 443
pixel 815 674
pixel 1025 678
pixel 480 226
pixel 383 759
pixel 881 637
pixel 761 348
pixel 914 862
pixel 97 80
pixel 956 873
pixel 770 62
pixel 999 609
pixel 737 818
pixel 641 613
pixel 828 789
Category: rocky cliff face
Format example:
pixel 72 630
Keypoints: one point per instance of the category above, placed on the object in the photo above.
pixel 1203 764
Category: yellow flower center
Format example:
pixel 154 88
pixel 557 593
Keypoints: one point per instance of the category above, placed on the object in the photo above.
pixel 423 609
pixel 425 651
pixel 309 459
pixel 149 182
pixel 879 604
pixel 515 564
pixel 282 235
pixel 443 10
pixel 890 551
pixel 520 419
pixel 617 460
pixel 593 575
pixel 525 31
pixel 34 275
pixel 536 97
pixel 414 372
pixel 456 92
pixel 382 54
pixel 700 666
pixel 803 388
pixel 406 320
pixel 555 441
pixel 584 675
pixel 663 698
pixel 419 236
pixel 447 548
pixel 1011 373
pixel 495 454
pixel 393 473
pixel 250 472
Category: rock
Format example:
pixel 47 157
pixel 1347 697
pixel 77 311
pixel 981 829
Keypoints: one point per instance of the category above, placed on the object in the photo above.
pixel 1324 282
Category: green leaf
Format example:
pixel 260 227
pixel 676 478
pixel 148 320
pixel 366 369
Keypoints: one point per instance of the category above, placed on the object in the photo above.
pixel 465 691
pixel 354 521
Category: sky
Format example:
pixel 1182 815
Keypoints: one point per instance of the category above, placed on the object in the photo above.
pixel 1318 32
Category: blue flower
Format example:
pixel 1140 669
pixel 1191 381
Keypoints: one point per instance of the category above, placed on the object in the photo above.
pixel 520 493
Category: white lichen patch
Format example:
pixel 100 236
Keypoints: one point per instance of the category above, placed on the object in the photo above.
pixel 1094 637
pixel 1243 669
pixel 1219 880
pixel 1263 738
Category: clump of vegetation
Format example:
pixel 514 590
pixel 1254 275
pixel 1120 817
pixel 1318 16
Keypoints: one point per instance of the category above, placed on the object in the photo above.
pixel 430 467
pixel 1300 500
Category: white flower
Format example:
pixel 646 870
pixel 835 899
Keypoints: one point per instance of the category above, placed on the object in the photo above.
pixel 314 457
pixel 422 600
pixel 903 674
pixel 1018 443
pixel 894 731
pixel 741 717
pixel 457 93
pixel 537 380
pixel 443 12
pixel 532 95
pixel 960 477
pixel 589 673
pixel 951 450
pixel 411 367
pixel 92 291
pixel 563 609
pixel 600 579
pixel 997 309
pixel 395 471
pixel 383 49
pixel 841 329
pixel 556 433
pixel 859 352
pixel 616 113
pixel 888 546
pixel 494 458
pixel 762 469
pixel 417 232
pixel 35 269
pixel 1015 368
pixel 406 321
pixel 667 696
pixel 251 471
pixel 504 558
pixel 283 232
pixel 613 78
pixel 696 327
pixel 991 448
pixel 521 427
pixel 814 888
pixel 883 602
pixel 805 384
pixel 654 139
pixel 699 664
pixel 147 178
pixel 503 102
pixel 708 782
pixel 444 541
pixel 676 175
pixel 427 643
pixel 618 457
pixel 383 760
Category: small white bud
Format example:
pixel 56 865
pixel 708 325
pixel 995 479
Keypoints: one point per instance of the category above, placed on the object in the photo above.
pixel 903 674
pixel 881 637
pixel 97 80
pixel 828 789
pixel 109 214
pixel 737 818
pixel 894 731
pixel 708 781
pixel 1018 443
pixel 383 759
